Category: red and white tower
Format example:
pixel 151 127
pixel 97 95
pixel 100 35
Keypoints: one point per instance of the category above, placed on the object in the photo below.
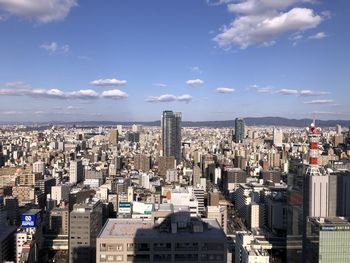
pixel 314 134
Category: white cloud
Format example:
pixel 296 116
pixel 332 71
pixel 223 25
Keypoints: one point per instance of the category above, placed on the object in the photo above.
pixel 114 94
pixel 169 98
pixel 43 11
pixel 83 94
pixel 301 93
pixel 194 82
pixel 306 93
pixel 161 85
pixel 261 6
pixel 225 90
pixel 108 82
pixel 327 101
pixel 185 98
pixel 218 2
pixel 261 22
pixel 51 93
pixel 259 89
pixel 288 92
pixel 319 35
pixel 15 84
pixel 54 47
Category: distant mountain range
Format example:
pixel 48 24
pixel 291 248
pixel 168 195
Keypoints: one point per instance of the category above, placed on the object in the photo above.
pixel 250 121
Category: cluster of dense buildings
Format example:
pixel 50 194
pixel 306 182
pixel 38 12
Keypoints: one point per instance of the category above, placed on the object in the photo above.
pixel 173 194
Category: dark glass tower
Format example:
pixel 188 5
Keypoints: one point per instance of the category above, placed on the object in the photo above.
pixel 239 130
pixel 171 134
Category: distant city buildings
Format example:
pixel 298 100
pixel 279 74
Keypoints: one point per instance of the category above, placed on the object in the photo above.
pixel 274 196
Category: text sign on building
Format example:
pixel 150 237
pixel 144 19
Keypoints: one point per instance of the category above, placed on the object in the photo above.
pixel 28 220
pixel 124 208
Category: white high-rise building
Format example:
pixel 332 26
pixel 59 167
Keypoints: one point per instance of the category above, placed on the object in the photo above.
pixel 120 129
pixel 76 171
pixel 277 137
pixel 136 128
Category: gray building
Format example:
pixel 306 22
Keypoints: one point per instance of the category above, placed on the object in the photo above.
pixel 44 185
pixel 7 241
pixel 85 223
pixel 171 134
pixel 239 130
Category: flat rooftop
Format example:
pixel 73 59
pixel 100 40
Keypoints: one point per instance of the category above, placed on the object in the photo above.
pixel 143 228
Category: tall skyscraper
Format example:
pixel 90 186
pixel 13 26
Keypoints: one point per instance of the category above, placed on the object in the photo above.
pixel 277 137
pixel 113 136
pixel 239 130
pixel 171 134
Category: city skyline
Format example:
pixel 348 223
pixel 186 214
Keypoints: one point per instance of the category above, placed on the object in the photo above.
pixel 210 60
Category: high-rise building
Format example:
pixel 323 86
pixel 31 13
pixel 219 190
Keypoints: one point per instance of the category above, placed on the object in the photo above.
pixel 120 129
pixel 165 163
pixel 59 221
pixel 277 137
pixel 239 130
pixel 327 240
pixel 76 171
pixel 113 136
pixel 84 225
pixel 45 185
pixel 171 134
pixel 338 129
pixel 142 162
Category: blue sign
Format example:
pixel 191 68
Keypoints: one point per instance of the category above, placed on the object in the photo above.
pixel 28 220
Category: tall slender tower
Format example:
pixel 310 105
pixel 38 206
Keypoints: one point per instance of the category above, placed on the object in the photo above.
pixel 239 130
pixel 171 134
pixel 314 134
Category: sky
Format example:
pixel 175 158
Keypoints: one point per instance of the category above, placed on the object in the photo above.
pixel 126 60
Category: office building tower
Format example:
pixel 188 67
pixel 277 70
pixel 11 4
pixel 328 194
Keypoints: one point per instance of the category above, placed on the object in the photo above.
pixel 327 240
pixel 7 241
pixel 84 225
pixel 171 134
pixel 76 172
pixel 133 137
pixel 44 185
pixel 113 137
pixel 136 128
pixel 59 220
pixel 239 130
pixel 277 137
pixel 165 163
pixel 179 238
pixel 120 129
pixel 338 129
pixel 142 162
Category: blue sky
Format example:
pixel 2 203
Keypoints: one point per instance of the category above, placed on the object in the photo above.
pixel 210 59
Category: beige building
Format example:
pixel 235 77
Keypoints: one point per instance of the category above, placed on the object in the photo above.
pixel 178 238
pixel 220 214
